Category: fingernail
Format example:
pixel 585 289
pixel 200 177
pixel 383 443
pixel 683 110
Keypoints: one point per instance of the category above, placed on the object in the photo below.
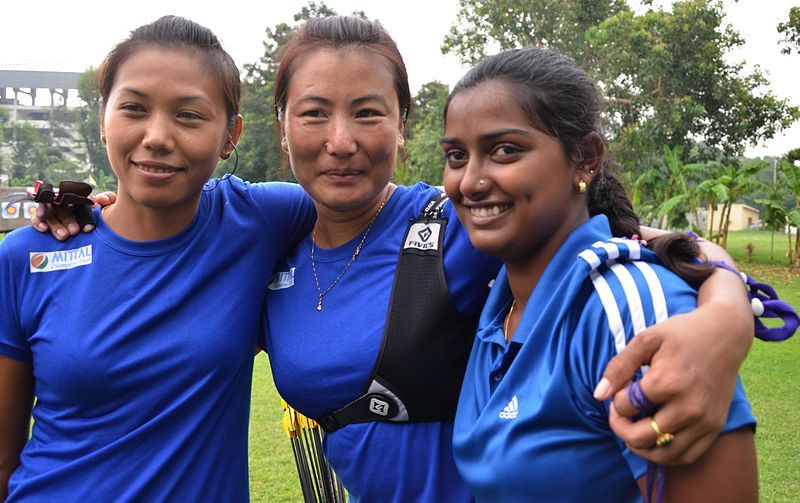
pixel 88 228
pixel 61 233
pixel 602 388
pixel 41 226
pixel 73 228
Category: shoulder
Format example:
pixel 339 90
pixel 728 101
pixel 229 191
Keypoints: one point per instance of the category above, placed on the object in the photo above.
pixel 413 198
pixel 632 287
pixel 27 239
pixel 22 248
pixel 261 193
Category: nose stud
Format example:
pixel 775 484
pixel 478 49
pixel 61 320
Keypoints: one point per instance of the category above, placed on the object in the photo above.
pixel 481 181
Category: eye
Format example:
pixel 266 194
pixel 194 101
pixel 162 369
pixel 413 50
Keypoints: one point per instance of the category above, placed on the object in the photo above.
pixel 189 115
pixel 455 158
pixel 505 153
pixel 131 107
pixel 312 114
pixel 368 113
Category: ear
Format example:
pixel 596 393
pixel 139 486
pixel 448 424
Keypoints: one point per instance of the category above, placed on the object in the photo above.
pixel 401 141
pixel 592 149
pixel 235 132
pixel 102 126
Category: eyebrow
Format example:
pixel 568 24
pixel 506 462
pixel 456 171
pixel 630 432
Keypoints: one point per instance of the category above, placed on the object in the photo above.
pixel 358 101
pixel 493 135
pixel 182 99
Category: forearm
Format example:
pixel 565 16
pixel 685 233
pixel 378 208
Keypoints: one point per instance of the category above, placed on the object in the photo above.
pixel 723 300
pixel 16 403
pixel 726 472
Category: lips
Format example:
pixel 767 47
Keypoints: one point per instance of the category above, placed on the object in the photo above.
pixel 156 170
pixel 341 172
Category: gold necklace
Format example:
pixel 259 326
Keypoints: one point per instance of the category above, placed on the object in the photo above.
pixel 349 263
pixel 508 317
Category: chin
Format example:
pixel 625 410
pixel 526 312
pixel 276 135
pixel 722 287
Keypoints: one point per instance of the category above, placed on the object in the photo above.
pixel 488 245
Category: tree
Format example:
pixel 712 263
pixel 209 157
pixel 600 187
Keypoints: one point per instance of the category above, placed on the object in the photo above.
pixel 712 191
pixel 664 75
pixel 790 29
pixel 88 125
pixel 557 24
pixel 35 157
pixel 737 178
pixel 3 122
pixel 424 130
pixel 671 186
pixel 667 82
pixel 775 214
pixel 791 177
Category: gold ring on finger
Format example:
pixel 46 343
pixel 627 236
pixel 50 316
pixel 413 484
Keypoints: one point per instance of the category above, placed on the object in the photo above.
pixel 663 439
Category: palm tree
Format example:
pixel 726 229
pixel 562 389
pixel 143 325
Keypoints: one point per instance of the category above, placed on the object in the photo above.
pixel 712 191
pixel 775 212
pixel 791 176
pixel 670 185
pixel 739 179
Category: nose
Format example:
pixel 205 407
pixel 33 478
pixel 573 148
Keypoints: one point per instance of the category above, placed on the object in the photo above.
pixel 475 181
pixel 159 133
pixel 341 141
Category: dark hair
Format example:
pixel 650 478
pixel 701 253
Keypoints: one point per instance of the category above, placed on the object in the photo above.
pixel 179 33
pixel 339 33
pixel 559 99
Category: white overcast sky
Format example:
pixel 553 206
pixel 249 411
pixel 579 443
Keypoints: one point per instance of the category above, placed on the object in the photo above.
pixel 72 35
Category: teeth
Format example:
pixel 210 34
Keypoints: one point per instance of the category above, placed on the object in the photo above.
pixel 155 170
pixel 488 211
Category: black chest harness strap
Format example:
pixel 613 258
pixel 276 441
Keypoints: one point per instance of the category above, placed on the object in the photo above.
pixel 426 341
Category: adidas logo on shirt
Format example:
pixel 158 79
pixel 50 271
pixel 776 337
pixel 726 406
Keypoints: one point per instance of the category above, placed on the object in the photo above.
pixel 511 411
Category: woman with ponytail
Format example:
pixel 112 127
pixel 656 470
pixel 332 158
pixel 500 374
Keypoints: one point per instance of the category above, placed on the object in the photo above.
pixel 529 177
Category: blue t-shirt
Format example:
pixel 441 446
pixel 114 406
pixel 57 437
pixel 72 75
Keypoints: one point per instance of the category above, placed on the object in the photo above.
pixel 142 352
pixel 527 427
pixel 322 360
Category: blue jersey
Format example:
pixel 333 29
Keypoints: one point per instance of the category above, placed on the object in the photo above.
pixel 322 360
pixel 527 427
pixel 142 352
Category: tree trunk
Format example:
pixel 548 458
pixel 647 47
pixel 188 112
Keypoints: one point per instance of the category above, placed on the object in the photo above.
pixel 790 255
pixel 796 246
pixel 711 221
pixel 772 247
pixel 727 224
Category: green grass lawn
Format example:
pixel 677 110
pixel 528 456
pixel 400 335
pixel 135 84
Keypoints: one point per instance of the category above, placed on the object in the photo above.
pixel 771 373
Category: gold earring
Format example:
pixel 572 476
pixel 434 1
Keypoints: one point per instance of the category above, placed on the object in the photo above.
pixel 581 186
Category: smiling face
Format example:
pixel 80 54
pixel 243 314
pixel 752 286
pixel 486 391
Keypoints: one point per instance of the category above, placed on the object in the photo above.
pixel 165 127
pixel 512 185
pixel 342 128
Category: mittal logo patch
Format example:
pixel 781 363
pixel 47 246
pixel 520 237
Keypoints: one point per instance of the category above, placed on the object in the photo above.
pixel 423 236
pixel 60 260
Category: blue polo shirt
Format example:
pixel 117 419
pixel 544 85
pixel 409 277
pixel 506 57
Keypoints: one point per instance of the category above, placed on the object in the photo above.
pixel 527 427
